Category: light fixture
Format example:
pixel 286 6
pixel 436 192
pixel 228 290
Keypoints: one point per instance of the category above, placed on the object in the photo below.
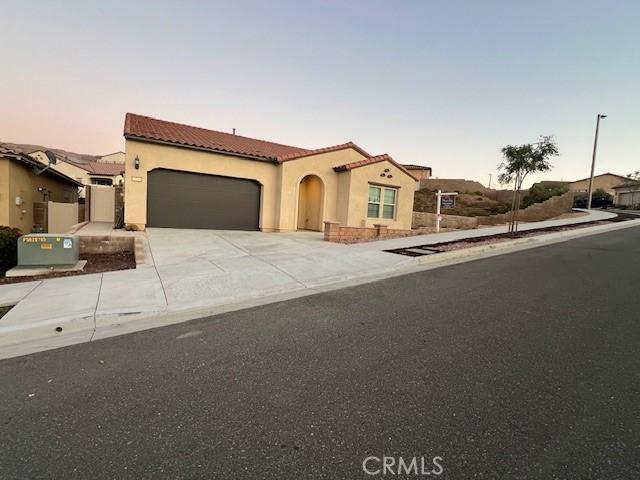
pixel 136 163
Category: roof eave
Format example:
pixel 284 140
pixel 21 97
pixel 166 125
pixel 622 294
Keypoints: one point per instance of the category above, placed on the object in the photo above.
pixel 34 164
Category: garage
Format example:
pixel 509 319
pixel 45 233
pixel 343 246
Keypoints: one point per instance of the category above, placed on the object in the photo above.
pixel 178 199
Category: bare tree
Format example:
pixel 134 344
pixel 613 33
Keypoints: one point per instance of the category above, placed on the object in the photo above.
pixel 520 161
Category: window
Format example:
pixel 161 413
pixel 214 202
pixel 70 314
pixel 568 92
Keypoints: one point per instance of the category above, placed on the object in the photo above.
pixel 101 181
pixel 384 197
pixel 373 209
pixel 389 206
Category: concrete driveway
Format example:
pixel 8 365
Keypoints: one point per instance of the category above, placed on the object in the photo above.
pixel 196 273
pixel 201 267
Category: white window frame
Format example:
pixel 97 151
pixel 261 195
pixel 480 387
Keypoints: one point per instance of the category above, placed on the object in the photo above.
pixel 381 204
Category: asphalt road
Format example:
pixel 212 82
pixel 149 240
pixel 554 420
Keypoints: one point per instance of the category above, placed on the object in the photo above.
pixel 518 366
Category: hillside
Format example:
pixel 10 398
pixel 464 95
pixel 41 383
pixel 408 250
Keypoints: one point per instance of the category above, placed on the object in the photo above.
pixel 468 204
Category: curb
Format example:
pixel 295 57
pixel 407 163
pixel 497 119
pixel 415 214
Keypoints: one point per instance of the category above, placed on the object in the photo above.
pixel 485 251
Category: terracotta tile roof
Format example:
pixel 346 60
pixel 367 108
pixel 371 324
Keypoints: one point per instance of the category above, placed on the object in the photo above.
pixel 151 129
pixel 141 127
pixel 334 148
pixel 410 166
pixel 370 161
pixel 9 152
pixel 98 168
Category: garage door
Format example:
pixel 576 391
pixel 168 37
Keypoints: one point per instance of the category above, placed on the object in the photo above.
pixel 192 200
pixel 627 198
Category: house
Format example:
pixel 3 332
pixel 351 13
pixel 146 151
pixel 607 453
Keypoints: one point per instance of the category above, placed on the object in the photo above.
pixel 628 194
pixel 115 157
pixel 182 176
pixel 27 186
pixel 92 172
pixel 419 171
pixel 605 181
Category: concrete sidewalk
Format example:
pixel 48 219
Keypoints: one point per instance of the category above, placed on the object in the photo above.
pixel 201 272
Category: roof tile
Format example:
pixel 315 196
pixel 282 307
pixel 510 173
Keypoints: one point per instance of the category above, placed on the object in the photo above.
pixel 138 126
pixel 370 161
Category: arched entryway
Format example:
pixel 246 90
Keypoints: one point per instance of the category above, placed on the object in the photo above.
pixel 310 202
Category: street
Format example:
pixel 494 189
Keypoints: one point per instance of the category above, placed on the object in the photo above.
pixel 520 366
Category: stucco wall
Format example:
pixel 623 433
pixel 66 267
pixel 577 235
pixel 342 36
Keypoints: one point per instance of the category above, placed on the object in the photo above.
pixel 321 165
pixel 360 180
pixel 345 193
pixel 154 156
pixel 5 201
pixel 24 183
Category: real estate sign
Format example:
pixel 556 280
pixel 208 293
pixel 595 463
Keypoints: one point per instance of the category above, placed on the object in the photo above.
pixel 448 201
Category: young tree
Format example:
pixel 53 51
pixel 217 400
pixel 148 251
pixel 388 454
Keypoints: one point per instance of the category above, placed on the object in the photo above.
pixel 520 161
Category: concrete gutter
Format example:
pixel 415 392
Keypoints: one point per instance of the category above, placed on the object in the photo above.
pixel 91 318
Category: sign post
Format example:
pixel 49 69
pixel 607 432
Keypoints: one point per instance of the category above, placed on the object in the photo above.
pixel 444 200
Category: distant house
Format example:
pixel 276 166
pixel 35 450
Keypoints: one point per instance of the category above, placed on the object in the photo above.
pixel 628 194
pixel 115 157
pixel 27 186
pixel 419 171
pixel 605 181
pixel 90 172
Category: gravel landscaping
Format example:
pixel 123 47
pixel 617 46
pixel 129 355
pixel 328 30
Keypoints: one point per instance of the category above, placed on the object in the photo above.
pixel 96 263
pixel 499 238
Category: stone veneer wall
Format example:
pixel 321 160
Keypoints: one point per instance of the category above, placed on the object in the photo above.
pixel 106 244
pixel 535 213
pixel 334 232
pixel 458 222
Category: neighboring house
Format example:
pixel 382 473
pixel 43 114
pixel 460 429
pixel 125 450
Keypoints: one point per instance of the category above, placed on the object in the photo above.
pixel 116 157
pixel 89 172
pixel 627 195
pixel 188 177
pixel 419 171
pixel 605 181
pixel 25 182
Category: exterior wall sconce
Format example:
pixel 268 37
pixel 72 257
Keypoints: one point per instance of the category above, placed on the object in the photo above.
pixel 136 163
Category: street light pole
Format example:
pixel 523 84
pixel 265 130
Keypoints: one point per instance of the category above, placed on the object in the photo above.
pixel 593 159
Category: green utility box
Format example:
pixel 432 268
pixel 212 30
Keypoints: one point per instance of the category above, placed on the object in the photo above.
pixel 41 249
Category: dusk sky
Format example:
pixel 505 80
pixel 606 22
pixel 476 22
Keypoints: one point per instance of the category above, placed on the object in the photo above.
pixel 443 84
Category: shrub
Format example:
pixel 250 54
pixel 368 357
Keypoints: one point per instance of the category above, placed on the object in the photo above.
pixel 8 248
pixel 542 191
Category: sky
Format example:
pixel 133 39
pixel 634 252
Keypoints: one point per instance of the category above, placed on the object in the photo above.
pixel 439 83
